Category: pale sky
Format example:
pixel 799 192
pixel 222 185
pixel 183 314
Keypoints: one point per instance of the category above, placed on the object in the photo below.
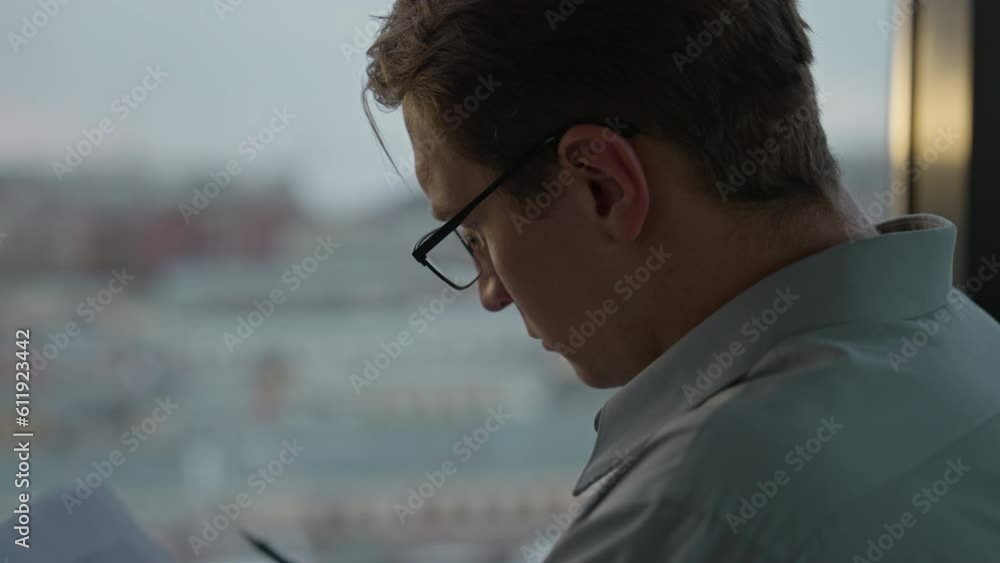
pixel 226 76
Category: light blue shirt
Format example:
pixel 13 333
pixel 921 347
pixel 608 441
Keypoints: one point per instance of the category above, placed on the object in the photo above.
pixel 842 409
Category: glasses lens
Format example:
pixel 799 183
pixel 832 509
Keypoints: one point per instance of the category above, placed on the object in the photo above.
pixel 453 260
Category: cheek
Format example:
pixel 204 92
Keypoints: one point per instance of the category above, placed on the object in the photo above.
pixel 513 261
pixel 540 279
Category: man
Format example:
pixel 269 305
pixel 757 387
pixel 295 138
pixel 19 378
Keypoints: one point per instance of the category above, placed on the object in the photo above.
pixel 649 184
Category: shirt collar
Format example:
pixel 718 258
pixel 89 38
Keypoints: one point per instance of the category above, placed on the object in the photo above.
pixel 904 272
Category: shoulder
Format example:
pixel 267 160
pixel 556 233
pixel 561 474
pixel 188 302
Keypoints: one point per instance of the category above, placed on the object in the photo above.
pixel 764 458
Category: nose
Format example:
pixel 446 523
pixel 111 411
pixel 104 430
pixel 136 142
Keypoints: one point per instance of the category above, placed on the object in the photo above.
pixel 492 292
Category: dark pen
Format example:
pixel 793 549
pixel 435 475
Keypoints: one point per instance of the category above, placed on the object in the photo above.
pixel 263 547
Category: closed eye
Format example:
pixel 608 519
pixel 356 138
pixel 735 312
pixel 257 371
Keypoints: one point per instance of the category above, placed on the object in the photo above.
pixel 471 237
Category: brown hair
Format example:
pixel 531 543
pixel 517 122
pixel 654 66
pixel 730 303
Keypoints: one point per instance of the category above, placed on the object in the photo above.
pixel 727 80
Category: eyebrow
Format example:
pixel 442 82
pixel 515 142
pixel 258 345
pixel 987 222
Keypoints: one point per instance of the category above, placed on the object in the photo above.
pixel 424 175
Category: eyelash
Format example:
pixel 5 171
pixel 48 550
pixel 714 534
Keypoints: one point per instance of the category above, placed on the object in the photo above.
pixel 471 238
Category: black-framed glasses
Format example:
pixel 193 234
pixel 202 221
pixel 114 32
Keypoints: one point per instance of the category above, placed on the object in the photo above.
pixel 446 252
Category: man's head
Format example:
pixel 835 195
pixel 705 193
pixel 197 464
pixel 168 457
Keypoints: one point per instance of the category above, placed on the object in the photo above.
pixel 731 156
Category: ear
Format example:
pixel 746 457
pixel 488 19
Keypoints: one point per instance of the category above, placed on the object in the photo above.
pixel 607 164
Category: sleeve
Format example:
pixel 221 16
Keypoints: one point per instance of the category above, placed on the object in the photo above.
pixel 664 531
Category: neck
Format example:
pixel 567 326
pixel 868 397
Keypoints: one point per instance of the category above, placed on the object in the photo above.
pixel 720 255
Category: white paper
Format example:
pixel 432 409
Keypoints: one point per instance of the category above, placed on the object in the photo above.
pixel 98 531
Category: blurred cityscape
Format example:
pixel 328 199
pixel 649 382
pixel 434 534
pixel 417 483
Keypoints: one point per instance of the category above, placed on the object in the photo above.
pixel 152 297
pixel 153 291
